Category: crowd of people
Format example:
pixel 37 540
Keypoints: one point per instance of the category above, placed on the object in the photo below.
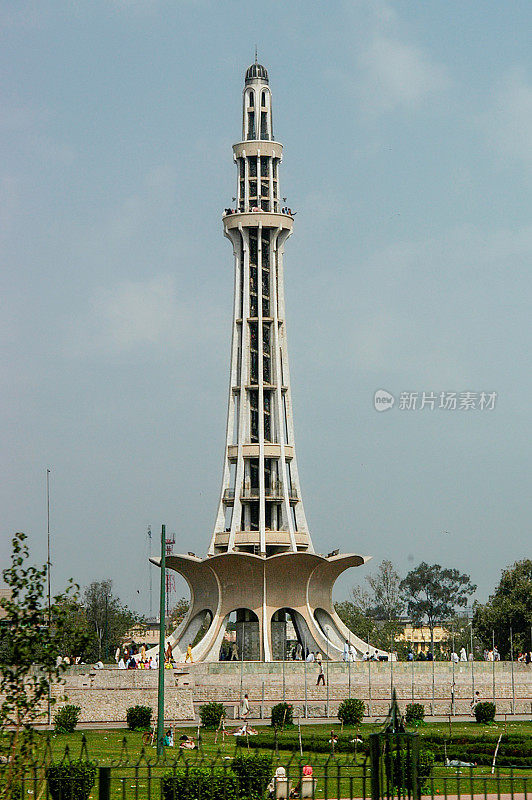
pixel 133 658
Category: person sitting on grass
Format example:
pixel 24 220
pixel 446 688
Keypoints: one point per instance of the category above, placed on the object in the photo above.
pixel 168 740
pixel 245 730
pixel 187 742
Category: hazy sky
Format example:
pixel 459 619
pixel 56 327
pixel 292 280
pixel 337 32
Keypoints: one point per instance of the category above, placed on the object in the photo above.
pixel 407 129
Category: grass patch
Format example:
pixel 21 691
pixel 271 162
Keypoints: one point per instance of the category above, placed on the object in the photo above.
pixel 344 776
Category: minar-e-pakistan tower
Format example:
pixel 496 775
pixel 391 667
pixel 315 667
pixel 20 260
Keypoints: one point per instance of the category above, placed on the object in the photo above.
pixel 261 562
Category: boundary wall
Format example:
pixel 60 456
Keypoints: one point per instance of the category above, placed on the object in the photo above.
pixel 443 688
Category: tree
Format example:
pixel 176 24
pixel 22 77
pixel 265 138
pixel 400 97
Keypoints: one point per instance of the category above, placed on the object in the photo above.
pixel 386 600
pixel 34 638
pixel 107 618
pixel 433 593
pixel 510 606
pixel 178 614
pixel 355 619
pixel 373 613
pixel 75 628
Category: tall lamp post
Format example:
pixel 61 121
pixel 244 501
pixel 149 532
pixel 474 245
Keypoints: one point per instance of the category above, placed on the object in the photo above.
pixel 160 691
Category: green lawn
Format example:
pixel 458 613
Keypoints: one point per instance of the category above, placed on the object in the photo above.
pixel 107 745
pixel 337 776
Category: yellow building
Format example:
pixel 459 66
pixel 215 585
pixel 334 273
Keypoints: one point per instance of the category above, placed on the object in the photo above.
pixel 419 638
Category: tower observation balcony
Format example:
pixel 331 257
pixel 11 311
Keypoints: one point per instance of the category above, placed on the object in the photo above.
pixel 254 219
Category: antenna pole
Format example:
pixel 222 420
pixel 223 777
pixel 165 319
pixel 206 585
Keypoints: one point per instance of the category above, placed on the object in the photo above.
pixel 49 583
pixel 48 564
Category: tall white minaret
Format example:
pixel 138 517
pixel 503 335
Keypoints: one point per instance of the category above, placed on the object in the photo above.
pixel 261 569
pixel 260 509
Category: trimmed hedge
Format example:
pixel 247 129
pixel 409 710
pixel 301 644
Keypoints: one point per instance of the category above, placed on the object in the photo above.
pixel 139 718
pixel 66 719
pixel 515 749
pixel 485 712
pixel 214 783
pixel 211 714
pixel 71 779
pixel 415 713
pixel 289 740
pixel 351 711
pixel 254 773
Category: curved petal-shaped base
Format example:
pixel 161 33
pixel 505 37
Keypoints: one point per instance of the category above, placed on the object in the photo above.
pixel 299 583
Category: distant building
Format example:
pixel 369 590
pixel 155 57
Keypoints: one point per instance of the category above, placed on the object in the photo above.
pixel 147 634
pixel 419 638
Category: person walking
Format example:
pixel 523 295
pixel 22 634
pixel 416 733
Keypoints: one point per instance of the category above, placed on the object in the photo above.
pixel 474 701
pixel 188 656
pixel 321 675
pixel 244 707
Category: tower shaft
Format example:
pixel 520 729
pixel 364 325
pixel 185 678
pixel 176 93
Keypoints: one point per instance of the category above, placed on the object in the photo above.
pixel 260 509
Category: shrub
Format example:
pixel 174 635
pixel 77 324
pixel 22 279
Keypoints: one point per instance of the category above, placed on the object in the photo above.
pixel 71 779
pixel 139 718
pixel 209 783
pixel 15 791
pixel 211 714
pixel 402 769
pixel 282 715
pixel 66 719
pixel 351 712
pixel 424 769
pixel 485 712
pixel 415 713
pixel 254 773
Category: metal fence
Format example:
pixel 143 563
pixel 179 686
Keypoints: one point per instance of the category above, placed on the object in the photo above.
pixel 334 776
pixel 445 688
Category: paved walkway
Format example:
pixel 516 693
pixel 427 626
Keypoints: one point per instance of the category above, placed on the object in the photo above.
pixel 94 726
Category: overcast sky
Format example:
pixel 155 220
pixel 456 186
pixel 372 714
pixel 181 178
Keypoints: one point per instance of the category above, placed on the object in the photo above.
pixel 408 156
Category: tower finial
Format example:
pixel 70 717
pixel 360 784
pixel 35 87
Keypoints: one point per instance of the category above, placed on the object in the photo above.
pixel 256 55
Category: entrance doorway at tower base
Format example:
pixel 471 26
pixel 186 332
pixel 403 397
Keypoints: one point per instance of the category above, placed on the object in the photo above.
pixel 242 636
pixel 291 638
